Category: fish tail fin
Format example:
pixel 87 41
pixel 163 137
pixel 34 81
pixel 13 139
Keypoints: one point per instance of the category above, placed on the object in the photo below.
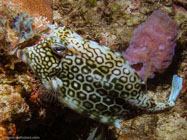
pixel 150 105
pixel 176 88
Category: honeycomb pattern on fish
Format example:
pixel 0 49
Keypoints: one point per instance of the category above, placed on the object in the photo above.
pixel 89 78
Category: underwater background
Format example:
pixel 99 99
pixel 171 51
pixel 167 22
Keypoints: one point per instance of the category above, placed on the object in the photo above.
pixel 25 110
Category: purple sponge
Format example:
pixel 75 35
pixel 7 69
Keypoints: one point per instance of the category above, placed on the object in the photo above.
pixel 153 45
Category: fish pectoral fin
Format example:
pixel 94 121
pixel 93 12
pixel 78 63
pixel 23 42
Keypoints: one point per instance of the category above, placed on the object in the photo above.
pixel 98 133
pixel 52 94
pixel 47 95
pixel 55 84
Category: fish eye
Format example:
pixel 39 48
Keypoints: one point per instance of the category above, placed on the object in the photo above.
pixel 59 49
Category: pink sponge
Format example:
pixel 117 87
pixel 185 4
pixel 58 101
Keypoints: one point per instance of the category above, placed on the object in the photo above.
pixel 153 44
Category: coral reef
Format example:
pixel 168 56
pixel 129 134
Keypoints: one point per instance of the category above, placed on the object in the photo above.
pixel 156 127
pixel 16 85
pixel 39 13
pixel 168 125
pixel 23 26
pixel 35 8
pixel 13 107
pixel 153 44
pixel 19 29
pixel 111 23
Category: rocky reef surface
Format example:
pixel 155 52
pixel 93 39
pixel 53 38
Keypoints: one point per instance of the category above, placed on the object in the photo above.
pixel 108 22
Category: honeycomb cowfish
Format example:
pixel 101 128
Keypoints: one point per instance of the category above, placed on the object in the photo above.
pixel 91 79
